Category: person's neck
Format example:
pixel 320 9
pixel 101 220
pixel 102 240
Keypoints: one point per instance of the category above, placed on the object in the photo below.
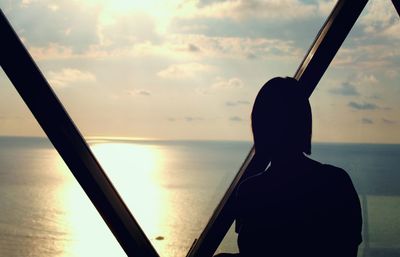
pixel 287 160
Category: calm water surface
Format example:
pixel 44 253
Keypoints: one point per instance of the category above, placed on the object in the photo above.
pixel 171 187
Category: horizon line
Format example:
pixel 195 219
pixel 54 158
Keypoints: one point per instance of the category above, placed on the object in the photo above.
pixel 90 139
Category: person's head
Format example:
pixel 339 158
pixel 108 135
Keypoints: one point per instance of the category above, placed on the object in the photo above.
pixel 281 119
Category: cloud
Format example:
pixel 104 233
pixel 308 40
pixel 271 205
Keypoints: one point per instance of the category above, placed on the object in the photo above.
pixel 346 89
pixel 193 48
pixel 68 23
pixel 196 46
pixel 357 83
pixel 389 122
pixel 223 84
pixel 247 9
pixel 369 55
pixel 366 121
pixel 325 7
pixel 185 70
pixel 187 119
pixel 392 31
pixel 134 43
pixel 139 92
pixel 235 119
pixel 190 118
pixel 52 51
pixel 375 96
pixel 80 28
pixel 374 47
pixel 232 83
pixel 391 74
pixel 25 3
pixel 236 103
pixel 127 30
pixel 363 106
pixel 379 17
pixel 234 47
pixel 363 79
pixel 11 117
pixel 68 77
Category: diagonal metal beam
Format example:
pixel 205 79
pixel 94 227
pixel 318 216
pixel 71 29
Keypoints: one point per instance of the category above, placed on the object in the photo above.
pixel 322 51
pixel 60 129
pixel 328 42
pixel 396 4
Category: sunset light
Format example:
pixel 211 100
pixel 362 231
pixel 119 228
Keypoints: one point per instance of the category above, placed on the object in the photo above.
pixel 157 98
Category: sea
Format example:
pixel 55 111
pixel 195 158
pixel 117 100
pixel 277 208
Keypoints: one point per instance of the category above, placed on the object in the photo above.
pixel 171 188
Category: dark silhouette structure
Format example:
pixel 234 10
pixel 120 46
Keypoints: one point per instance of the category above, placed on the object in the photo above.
pixel 296 206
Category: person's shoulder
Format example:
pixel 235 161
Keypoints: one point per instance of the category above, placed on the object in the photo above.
pixel 335 171
pixel 334 174
pixel 251 184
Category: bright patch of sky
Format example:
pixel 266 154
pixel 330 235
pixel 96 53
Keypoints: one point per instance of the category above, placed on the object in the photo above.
pixel 190 69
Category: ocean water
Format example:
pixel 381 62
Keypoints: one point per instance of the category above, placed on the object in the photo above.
pixel 171 187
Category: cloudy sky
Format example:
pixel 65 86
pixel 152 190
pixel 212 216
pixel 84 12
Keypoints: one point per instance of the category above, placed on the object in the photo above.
pixel 190 69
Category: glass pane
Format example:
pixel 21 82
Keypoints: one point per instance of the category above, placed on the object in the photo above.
pixel 356 122
pixel 163 91
pixel 44 211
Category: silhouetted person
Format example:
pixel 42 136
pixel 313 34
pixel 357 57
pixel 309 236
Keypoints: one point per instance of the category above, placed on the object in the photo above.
pixel 296 206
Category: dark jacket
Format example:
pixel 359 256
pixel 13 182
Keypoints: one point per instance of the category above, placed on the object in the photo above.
pixel 311 211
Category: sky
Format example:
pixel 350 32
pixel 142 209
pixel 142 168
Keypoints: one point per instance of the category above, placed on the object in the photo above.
pixel 190 69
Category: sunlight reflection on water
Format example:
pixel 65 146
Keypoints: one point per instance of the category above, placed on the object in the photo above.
pixel 171 188
pixel 135 170
pixel 86 232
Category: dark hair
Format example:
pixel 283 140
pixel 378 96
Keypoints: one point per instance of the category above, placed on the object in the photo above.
pixel 281 117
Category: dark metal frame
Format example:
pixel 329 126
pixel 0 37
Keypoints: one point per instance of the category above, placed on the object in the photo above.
pixel 396 4
pixel 60 129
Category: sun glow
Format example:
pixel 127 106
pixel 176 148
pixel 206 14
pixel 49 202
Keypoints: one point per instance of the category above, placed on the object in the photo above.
pixel 132 160
pixel 83 227
pixel 86 228
pixel 160 11
pixel 134 171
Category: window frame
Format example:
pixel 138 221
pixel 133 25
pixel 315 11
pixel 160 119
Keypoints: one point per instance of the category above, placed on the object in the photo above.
pixel 47 109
